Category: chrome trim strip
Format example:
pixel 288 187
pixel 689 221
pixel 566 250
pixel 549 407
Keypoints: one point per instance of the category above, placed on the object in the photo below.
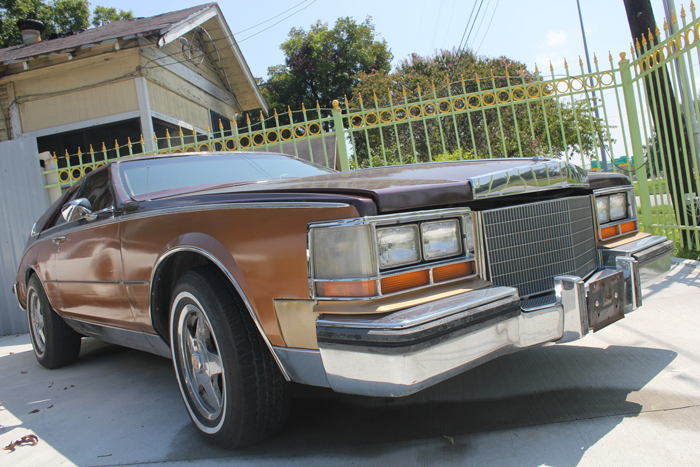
pixel 226 206
pixel 420 314
pixel 102 282
pixel 544 175
pixel 233 281
pixel 151 343
pixel 14 291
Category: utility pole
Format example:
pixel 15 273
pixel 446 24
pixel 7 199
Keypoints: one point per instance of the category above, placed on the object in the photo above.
pixel 668 128
pixel 595 101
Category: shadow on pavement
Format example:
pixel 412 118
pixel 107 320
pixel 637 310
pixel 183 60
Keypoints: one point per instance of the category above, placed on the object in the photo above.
pixel 542 386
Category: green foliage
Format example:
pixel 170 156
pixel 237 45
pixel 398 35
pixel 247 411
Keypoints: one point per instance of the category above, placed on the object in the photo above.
pixel 58 16
pixel 323 64
pixel 103 15
pixel 530 127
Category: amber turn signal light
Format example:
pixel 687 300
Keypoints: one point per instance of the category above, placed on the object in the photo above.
pixel 452 271
pixel 346 289
pixel 405 281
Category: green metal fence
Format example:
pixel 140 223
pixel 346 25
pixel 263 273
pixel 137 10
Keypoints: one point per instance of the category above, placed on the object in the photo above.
pixel 637 109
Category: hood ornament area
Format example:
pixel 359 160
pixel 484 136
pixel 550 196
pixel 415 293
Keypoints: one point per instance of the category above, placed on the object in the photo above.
pixel 542 175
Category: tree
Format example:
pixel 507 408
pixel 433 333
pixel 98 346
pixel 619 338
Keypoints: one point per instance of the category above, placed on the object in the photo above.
pixel 323 64
pixel 547 127
pixel 58 16
pixel 103 15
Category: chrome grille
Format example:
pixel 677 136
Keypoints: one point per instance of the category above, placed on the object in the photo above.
pixel 528 245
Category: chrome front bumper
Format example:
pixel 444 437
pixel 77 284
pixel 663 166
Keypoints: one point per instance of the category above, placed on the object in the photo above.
pixel 403 352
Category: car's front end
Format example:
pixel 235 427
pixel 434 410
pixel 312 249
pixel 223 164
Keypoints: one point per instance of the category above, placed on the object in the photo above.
pixel 402 301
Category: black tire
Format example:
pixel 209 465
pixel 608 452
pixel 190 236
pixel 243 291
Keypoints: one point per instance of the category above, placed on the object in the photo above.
pixel 55 343
pixel 232 387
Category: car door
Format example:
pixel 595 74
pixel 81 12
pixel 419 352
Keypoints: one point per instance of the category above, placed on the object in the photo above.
pixel 88 265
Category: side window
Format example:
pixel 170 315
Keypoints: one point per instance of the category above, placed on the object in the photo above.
pixel 96 188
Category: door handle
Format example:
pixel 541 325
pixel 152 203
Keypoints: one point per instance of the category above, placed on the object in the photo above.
pixel 57 240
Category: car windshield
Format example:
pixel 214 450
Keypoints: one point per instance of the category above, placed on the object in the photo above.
pixel 150 176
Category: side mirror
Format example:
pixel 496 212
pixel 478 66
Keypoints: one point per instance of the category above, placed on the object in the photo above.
pixel 76 210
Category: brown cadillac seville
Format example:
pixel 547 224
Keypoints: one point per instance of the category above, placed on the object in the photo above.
pixel 251 270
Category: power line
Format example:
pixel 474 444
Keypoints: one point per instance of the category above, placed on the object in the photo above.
pixel 278 22
pixel 483 17
pixel 270 19
pixel 467 25
pixel 489 27
pixel 473 24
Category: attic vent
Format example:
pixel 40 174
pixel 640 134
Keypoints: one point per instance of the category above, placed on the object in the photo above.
pixel 31 30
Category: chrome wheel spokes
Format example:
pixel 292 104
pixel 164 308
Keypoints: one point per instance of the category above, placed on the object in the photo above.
pixel 204 375
pixel 36 320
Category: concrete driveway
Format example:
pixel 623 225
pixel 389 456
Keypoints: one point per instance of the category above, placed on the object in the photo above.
pixel 628 395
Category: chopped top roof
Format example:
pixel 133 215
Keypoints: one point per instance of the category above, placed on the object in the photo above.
pixel 111 32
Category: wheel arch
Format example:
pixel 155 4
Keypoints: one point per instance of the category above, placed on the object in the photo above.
pixel 187 253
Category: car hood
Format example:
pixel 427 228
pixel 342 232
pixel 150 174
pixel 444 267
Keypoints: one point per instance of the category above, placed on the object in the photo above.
pixel 416 186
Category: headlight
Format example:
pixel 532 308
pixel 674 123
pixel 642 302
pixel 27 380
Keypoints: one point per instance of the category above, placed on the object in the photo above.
pixel 343 252
pixel 441 239
pixel 618 206
pixel 602 206
pixel 398 246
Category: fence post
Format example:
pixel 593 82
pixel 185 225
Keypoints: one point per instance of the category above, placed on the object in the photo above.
pixel 340 137
pixel 635 139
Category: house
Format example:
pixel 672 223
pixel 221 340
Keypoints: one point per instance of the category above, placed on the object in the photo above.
pixel 129 78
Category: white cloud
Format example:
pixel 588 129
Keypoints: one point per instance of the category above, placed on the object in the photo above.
pixel 556 38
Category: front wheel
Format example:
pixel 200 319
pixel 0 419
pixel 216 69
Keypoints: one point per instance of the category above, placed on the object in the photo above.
pixel 55 343
pixel 231 386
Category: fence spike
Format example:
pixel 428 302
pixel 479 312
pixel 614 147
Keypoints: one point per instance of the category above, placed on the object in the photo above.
pixel 318 106
pixel 194 130
pixel 104 148
pixel 580 62
pixel 275 113
pixel 54 155
pixel 80 154
pixel 155 139
pixel 610 55
pixel 374 94
pixel 167 134
pixel 303 107
pixel 141 139
pixel 420 91
pixel 289 111
pixel 651 37
pixel 637 42
pixel 595 59
pixel 247 118
pixel 359 97
pixel 665 25
pixel 347 106
pixel 551 68
pixel 92 153
pixel 180 131
pixel 644 40
pixel 462 78
pixel 116 145
pixel 261 119
pixel 433 85
pixel 67 155
pixel 673 17
pixel 536 70
pixel 692 5
pixel 682 12
pixel 657 31
pixel 491 73
pixel 566 65
pixel 403 89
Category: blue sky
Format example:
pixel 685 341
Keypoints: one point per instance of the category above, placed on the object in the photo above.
pixel 531 31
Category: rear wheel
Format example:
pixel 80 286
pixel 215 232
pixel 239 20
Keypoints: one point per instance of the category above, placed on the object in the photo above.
pixel 231 385
pixel 55 343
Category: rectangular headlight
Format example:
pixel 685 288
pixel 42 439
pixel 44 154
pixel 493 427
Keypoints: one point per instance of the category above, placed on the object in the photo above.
pixel 618 206
pixel 441 239
pixel 602 206
pixel 398 246
pixel 343 252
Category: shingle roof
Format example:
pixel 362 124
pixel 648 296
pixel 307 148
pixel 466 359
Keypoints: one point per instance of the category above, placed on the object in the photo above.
pixel 118 30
